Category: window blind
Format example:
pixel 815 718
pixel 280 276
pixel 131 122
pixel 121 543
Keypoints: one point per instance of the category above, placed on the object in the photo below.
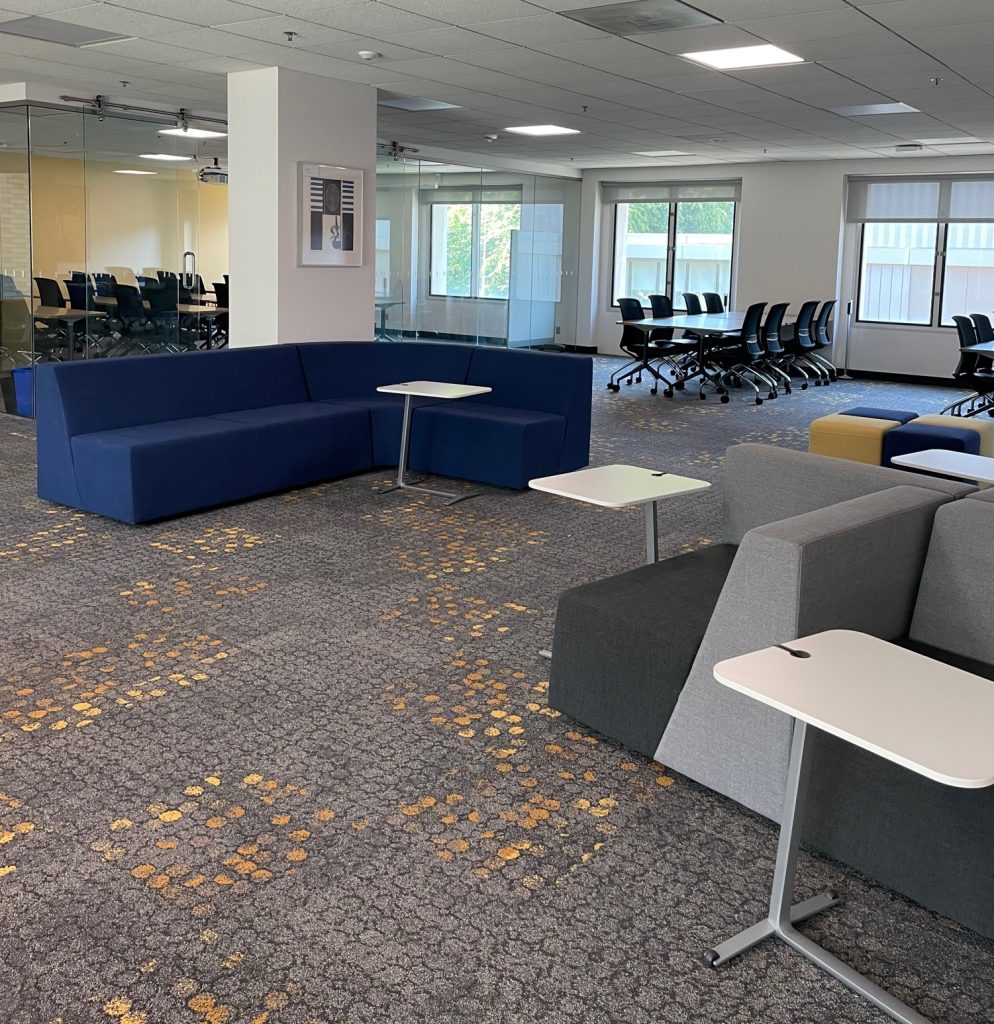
pixel 938 199
pixel 670 191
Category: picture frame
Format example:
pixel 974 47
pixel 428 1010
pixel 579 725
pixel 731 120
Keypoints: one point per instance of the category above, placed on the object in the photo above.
pixel 331 213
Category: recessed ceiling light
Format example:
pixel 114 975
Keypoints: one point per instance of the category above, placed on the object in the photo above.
pixel 129 171
pixel 743 57
pixel 661 152
pixel 543 129
pixel 949 142
pixel 163 156
pixel 194 133
pixel 872 109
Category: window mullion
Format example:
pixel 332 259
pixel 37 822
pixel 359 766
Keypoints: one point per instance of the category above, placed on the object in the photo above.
pixel 671 252
pixel 939 278
pixel 475 264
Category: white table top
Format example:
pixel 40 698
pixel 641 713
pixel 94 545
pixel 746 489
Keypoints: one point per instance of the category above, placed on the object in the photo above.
pixel 946 463
pixel 926 716
pixel 617 486
pixel 434 389
pixel 705 323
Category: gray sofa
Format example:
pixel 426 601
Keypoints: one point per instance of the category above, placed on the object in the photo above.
pixel 808 543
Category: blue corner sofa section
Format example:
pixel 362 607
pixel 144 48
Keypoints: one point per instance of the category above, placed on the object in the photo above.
pixel 144 438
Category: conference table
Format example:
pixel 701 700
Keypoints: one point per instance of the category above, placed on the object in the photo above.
pixel 70 317
pixel 707 327
pixel 982 348
pixel 383 306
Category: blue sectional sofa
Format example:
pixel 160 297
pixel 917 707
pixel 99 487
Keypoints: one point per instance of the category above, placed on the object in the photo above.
pixel 143 438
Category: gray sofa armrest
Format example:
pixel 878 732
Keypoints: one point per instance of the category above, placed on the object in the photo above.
pixel 764 483
pixel 854 565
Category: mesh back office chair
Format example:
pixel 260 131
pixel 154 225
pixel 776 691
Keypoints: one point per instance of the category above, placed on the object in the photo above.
pixel 692 304
pixel 776 354
pixel 713 302
pixel 104 283
pixel 634 343
pixel 50 293
pixel 744 360
pixel 681 348
pixel 982 325
pixel 220 336
pixel 81 294
pixel 821 339
pixel 972 371
pixel 77 277
pixel 131 312
pixel 801 345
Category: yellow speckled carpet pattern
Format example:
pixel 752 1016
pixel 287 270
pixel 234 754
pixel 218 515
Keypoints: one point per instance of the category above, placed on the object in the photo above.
pixel 292 762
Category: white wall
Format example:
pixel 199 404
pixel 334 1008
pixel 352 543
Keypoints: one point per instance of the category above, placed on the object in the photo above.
pixel 277 119
pixel 789 236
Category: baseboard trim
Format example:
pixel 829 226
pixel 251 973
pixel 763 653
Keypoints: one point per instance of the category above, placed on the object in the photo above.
pixel 904 378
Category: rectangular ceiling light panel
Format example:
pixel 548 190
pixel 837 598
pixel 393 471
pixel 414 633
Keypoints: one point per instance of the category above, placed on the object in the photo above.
pixel 49 31
pixel 738 57
pixel 542 129
pixel 636 16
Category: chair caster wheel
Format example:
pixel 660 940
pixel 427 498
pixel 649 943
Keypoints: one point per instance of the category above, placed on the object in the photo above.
pixel 679 385
pixel 653 391
pixel 614 387
pixel 638 379
pixel 702 396
pixel 628 383
pixel 804 386
pixel 710 959
pixel 669 394
pixel 759 401
pixel 724 399
pixel 772 394
pixel 786 391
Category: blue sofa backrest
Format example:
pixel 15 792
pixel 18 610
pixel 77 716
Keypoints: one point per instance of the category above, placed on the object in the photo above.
pixel 103 394
pixel 540 381
pixel 355 369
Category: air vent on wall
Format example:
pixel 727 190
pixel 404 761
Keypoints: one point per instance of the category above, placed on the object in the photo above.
pixel 48 31
pixel 636 16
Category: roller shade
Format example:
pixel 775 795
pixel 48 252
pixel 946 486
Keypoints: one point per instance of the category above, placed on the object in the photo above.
pixel 670 191
pixel 458 194
pixel 928 200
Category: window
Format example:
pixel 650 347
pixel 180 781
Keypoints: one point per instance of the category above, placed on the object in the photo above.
pixel 671 248
pixel 926 248
pixel 897 273
pixel 471 248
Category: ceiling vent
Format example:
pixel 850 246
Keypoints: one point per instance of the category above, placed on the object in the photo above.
pixel 48 31
pixel 415 103
pixel 637 16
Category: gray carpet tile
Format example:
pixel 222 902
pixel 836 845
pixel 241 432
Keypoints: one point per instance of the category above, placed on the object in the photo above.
pixel 291 762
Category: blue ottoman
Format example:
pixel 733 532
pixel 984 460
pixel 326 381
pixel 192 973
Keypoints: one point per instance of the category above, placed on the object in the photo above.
pixel 874 413
pixel 914 437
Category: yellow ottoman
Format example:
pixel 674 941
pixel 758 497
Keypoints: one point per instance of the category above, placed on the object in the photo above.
pixel 985 428
pixel 856 438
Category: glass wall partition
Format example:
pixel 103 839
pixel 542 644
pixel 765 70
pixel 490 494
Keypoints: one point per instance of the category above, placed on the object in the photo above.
pixel 124 246
pixel 477 256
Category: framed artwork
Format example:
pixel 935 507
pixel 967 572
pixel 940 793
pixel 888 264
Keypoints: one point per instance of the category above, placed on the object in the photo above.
pixel 330 216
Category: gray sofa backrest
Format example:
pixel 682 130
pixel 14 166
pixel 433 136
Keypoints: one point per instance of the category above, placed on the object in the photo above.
pixel 763 484
pixel 954 607
pixel 853 565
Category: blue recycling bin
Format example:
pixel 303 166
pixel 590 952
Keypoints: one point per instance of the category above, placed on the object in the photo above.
pixel 24 390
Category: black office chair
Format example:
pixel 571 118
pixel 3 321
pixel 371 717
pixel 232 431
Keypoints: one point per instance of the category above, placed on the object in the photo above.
pixel 982 325
pixel 800 345
pixel 104 284
pixel 50 293
pixel 132 313
pixel 77 276
pixel 713 302
pixel 81 294
pixel 635 344
pixel 165 275
pixel 776 354
pixel 681 353
pixel 692 304
pixel 822 340
pixel 743 361
pixel 972 371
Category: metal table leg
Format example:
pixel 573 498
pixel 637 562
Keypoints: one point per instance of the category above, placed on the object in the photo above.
pixel 783 915
pixel 651 534
pixel 405 445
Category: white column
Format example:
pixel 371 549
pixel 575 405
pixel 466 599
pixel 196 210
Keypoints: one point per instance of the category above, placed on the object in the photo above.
pixel 277 119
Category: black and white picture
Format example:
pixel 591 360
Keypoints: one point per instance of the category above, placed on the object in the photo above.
pixel 331 216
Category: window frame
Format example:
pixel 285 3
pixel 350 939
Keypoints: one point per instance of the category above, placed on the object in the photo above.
pixel 671 225
pixel 935 306
pixel 476 262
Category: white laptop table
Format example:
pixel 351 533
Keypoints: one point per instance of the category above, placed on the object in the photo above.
pixel 619 486
pixel 425 389
pixel 921 714
pixel 945 463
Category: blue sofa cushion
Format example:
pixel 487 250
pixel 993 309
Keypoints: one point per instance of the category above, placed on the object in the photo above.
pixel 146 472
pixel 313 413
pixel 386 413
pixel 357 369
pixel 914 437
pixel 874 413
pixel 487 443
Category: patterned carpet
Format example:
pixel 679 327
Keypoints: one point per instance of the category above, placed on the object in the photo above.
pixel 291 762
